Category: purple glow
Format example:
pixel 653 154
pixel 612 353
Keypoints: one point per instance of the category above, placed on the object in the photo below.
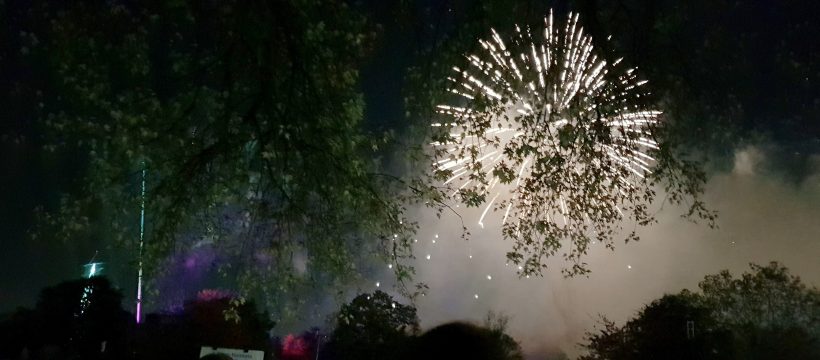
pixel 190 263
pixel 184 275
pixel 139 312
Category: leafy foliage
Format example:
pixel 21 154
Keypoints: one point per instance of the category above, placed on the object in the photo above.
pixel 568 135
pixel 248 119
pixel 497 323
pixel 769 296
pixel 660 331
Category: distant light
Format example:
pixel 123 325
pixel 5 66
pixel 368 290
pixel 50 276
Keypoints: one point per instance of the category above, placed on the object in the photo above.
pixel 434 241
pixel 520 268
pixel 476 296
pixel 93 269
pixel 393 305
pixel 629 266
pixel 389 266
pixel 436 236
pixel 489 277
pixel 428 256
pixel 377 285
pixel 471 256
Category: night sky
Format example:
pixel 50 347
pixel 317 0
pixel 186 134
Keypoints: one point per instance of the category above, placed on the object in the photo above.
pixel 763 169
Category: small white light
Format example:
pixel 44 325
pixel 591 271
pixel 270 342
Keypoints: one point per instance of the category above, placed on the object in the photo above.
pixel 436 236
pixel 471 256
pixel 415 240
pixel 377 285
pixel 476 296
pixel 434 241
pixel 395 235
pixel 528 276
pixel 393 305
pixel 428 256
pixel 489 277
pixel 629 266
pixel 520 268
pixel 389 266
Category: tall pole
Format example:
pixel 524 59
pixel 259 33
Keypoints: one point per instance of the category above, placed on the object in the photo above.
pixel 318 343
pixel 142 238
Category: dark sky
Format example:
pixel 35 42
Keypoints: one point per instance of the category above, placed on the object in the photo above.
pixel 760 57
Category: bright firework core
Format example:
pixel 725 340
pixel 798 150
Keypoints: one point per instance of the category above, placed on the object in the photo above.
pixel 548 134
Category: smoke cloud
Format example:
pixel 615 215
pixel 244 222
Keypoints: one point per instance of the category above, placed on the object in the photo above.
pixel 761 219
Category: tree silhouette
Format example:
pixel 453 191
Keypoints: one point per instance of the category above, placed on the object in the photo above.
pixel 372 326
pixel 465 341
pixel 77 318
pixel 766 313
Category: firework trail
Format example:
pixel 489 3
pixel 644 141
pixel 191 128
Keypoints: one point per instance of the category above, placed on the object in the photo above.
pixel 551 135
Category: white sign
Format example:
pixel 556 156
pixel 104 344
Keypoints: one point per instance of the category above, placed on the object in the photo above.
pixel 235 354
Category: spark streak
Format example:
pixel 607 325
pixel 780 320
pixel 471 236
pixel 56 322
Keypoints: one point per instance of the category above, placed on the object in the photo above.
pixel 539 125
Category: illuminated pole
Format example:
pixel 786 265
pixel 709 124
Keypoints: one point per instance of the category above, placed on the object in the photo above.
pixel 142 237
pixel 318 343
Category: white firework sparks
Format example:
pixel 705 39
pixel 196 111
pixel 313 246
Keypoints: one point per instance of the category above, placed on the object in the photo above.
pixel 545 131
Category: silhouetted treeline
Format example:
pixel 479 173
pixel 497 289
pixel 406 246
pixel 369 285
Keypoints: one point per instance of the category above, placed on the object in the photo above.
pixel 765 314
pixel 84 319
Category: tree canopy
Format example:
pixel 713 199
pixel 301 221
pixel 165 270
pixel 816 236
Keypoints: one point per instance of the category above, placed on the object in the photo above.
pixel 248 118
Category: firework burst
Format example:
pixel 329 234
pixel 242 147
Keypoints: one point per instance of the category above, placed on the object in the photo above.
pixel 544 131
